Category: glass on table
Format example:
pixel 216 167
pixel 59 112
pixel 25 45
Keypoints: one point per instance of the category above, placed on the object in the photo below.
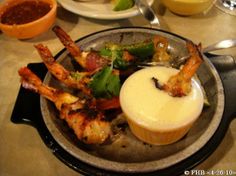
pixel 227 6
pixel 188 7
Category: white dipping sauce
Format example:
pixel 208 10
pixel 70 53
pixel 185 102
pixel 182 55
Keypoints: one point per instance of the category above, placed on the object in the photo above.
pixel 155 109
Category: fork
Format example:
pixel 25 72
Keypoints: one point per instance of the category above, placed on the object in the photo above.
pixel 148 13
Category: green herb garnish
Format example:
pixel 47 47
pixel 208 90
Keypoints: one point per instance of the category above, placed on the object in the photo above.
pixel 105 84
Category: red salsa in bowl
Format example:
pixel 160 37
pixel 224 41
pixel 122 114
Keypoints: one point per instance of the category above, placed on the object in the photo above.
pixel 27 18
pixel 25 12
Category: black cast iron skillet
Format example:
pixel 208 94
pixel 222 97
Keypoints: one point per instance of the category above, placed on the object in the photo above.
pixel 111 159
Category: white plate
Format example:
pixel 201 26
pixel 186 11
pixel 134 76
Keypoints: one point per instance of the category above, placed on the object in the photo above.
pixel 99 9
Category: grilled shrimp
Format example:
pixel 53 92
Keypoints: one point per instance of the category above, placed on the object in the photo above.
pixel 161 46
pixel 76 79
pixel 180 84
pixel 81 115
pixel 88 60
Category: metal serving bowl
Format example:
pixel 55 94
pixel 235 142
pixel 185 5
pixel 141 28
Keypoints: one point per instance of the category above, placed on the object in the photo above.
pixel 126 153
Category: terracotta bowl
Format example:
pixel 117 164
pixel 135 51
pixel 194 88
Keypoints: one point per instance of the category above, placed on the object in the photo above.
pixel 31 29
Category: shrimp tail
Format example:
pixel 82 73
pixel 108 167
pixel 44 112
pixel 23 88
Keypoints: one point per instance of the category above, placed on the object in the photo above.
pixel 63 75
pixel 56 69
pixel 161 46
pixel 180 84
pixel 30 81
pixel 90 61
pixel 70 45
pixel 194 62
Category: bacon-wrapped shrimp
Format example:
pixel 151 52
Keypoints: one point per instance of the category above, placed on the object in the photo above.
pixel 78 80
pixel 88 60
pixel 180 84
pixel 81 115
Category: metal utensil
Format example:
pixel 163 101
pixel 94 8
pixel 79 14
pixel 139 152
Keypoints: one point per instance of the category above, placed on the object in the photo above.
pixel 148 13
pixel 224 44
pixel 220 45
